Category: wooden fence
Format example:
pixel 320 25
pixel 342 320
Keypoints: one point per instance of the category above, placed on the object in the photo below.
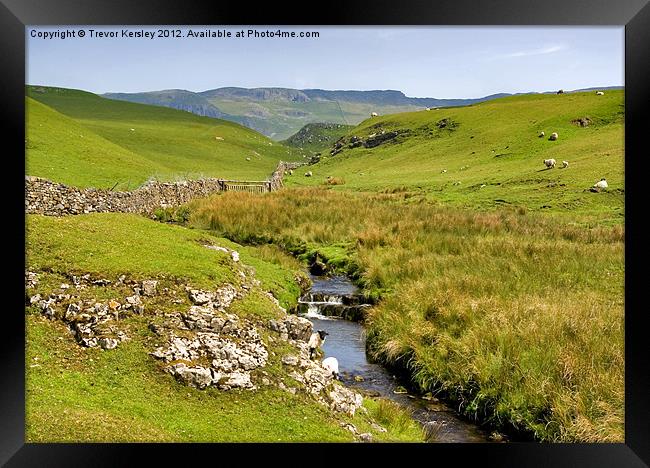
pixel 251 186
pixel 259 186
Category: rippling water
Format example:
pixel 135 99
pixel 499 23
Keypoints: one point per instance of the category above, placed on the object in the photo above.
pixel 346 342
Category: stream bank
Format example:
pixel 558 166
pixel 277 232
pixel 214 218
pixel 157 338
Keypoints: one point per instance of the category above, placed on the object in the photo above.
pixel 335 305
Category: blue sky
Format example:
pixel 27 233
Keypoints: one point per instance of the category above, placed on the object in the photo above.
pixel 441 62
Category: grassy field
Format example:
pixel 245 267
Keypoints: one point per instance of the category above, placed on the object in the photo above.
pixel 493 156
pixel 518 317
pixel 81 139
pixel 78 394
pixel 497 283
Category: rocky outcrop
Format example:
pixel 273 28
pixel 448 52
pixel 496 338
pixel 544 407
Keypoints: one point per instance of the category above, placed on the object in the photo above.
pixel 93 323
pixel 216 349
pixel 312 377
pixel 203 344
pixel 373 140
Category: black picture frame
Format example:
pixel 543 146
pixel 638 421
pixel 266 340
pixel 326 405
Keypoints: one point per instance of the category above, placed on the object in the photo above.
pixel 634 15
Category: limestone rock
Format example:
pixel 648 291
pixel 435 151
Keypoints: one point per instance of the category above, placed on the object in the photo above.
pixel 198 377
pixel 365 437
pixel 290 360
pixel 149 287
pixel 107 343
pixel 344 400
pixel 200 297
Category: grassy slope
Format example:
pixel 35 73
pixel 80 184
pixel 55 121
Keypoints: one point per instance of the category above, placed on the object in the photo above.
pixel 92 143
pixel 517 316
pixel 77 394
pixel 496 143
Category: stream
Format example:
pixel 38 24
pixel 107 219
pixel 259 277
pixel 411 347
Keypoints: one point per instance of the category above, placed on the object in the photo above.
pixel 333 304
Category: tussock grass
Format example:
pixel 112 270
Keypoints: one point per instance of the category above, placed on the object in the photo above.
pixel 516 316
pixel 390 414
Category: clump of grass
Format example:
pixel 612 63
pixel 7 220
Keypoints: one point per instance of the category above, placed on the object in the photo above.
pixel 335 181
pixel 177 215
pixel 392 416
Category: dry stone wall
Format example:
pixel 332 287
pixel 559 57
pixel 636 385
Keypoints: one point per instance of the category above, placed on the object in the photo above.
pixel 43 196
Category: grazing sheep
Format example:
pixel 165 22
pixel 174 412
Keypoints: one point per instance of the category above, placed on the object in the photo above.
pixel 290 171
pixel 443 171
pixel 601 185
pixel 374 114
pixel 331 364
pixel 428 108
pixel 308 174
pixel 315 341
pixel 553 136
pixel 550 163
pixel 248 159
pixel 599 93
pixel 561 91
pixel 133 129
pixel 541 134
pixel 565 164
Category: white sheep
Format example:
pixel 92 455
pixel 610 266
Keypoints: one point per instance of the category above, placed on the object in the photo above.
pixel 374 114
pixel 565 164
pixel 315 341
pixel 553 136
pixel 541 134
pixel 601 184
pixel 331 364
pixel 599 93
pixel 550 163
pixel 443 171
pixel 308 174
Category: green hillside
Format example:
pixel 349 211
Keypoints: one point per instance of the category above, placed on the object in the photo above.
pixel 281 119
pixel 494 144
pixel 79 138
pixel 77 394
pixel 317 137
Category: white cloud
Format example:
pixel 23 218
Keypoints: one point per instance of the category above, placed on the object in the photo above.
pixel 527 53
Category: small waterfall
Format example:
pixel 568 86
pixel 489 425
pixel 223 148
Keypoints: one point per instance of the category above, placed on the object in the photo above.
pixel 333 299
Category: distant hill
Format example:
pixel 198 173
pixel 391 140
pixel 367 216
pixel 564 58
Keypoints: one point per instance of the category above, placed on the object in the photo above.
pixel 81 139
pixel 174 98
pixel 316 137
pixel 281 112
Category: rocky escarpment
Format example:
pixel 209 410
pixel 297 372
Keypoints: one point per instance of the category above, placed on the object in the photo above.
pixel 371 141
